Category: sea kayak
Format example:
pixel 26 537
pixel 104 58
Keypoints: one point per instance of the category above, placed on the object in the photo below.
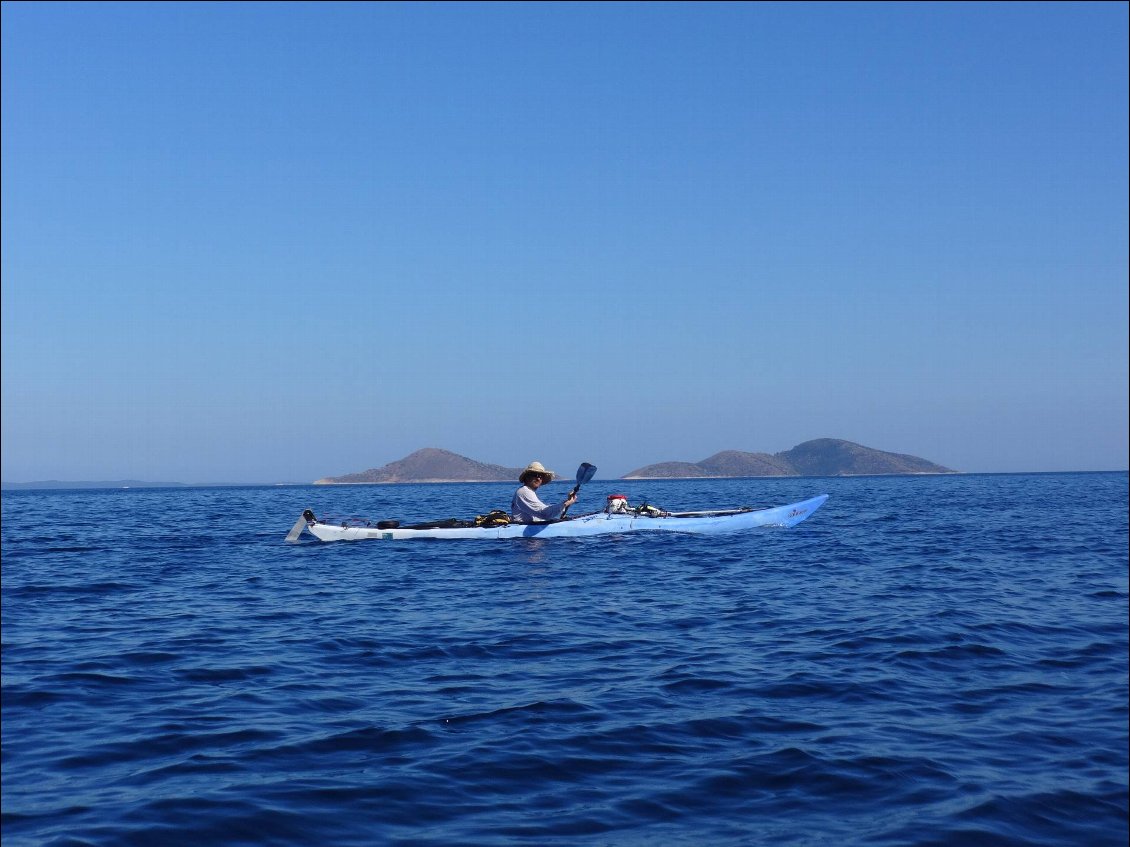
pixel 607 522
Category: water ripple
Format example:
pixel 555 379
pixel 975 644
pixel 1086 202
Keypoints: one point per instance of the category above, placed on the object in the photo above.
pixel 925 662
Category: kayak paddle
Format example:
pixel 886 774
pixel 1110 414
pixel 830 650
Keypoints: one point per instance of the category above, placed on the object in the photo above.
pixel 584 473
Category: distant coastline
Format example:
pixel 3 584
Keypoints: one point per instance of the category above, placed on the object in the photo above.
pixel 50 485
pixel 119 483
pixel 824 457
pixel 81 485
pixel 820 457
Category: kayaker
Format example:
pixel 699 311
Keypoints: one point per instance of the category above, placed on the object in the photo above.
pixel 526 507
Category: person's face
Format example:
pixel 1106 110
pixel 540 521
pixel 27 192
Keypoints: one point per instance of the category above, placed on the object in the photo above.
pixel 536 480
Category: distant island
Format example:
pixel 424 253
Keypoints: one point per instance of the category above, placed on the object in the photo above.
pixel 821 457
pixel 428 465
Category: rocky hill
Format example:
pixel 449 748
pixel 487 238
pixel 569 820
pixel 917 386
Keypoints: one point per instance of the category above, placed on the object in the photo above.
pixel 428 465
pixel 832 457
pixel 820 457
pixel 737 463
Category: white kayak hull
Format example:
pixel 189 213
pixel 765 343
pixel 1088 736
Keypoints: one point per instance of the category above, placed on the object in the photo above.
pixel 583 526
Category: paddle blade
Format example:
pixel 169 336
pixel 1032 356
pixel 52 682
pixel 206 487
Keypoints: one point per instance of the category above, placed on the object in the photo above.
pixel 296 530
pixel 585 472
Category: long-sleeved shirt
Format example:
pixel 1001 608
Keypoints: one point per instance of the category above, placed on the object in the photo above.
pixel 527 508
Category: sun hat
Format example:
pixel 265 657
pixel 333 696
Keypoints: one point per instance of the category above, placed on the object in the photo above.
pixel 535 468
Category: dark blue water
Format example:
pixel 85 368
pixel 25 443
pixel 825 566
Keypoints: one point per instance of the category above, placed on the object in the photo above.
pixel 925 661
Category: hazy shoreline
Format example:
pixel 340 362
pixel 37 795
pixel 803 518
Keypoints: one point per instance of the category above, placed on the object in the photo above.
pixel 111 486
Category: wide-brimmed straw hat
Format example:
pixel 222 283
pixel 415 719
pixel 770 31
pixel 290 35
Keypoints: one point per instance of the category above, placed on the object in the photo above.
pixel 535 468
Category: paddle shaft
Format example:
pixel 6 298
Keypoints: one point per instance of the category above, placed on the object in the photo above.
pixel 584 474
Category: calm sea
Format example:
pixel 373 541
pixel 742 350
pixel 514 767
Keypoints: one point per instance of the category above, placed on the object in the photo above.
pixel 925 661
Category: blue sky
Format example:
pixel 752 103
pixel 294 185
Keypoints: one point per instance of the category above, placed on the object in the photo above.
pixel 273 242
